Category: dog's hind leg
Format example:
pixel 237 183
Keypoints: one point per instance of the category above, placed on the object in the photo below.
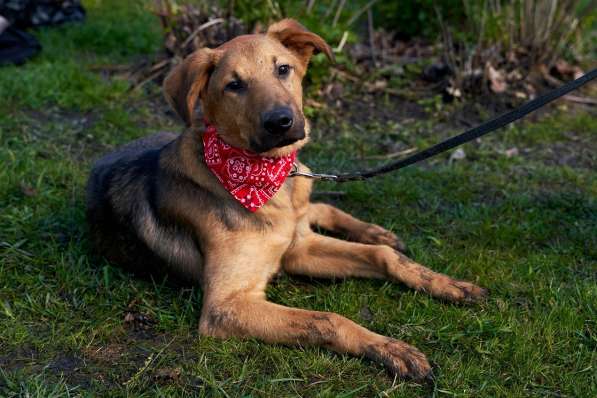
pixel 335 220
pixel 321 256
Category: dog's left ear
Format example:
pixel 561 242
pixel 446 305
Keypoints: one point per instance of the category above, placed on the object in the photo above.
pixel 299 40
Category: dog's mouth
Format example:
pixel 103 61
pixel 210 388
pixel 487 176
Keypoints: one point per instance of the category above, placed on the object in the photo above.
pixel 288 141
pixel 267 141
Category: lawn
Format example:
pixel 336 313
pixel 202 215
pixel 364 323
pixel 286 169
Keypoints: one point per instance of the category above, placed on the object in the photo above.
pixel 522 223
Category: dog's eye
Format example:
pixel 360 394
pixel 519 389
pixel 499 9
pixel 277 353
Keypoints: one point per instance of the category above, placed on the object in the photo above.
pixel 283 70
pixel 235 85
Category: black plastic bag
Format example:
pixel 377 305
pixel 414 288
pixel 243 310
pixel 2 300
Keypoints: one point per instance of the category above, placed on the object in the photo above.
pixel 33 13
pixel 17 46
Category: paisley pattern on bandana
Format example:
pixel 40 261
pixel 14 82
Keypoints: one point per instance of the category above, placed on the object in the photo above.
pixel 252 179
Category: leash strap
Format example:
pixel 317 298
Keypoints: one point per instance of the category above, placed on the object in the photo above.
pixel 459 139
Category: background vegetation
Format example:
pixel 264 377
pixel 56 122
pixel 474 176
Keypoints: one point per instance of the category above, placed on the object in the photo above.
pixel 516 212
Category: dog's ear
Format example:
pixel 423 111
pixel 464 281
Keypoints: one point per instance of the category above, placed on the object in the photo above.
pixel 185 84
pixel 299 40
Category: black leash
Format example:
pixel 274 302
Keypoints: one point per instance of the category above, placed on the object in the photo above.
pixel 460 139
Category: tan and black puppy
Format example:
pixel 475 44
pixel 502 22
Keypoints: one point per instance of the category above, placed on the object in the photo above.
pixel 154 205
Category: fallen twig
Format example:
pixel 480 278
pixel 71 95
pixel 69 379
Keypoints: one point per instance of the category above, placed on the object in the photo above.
pixel 109 68
pixel 342 42
pixel 390 155
pixel 153 75
pixel 365 8
pixel 580 100
pixel 548 77
pixel 346 75
pixel 199 29
pixel 329 193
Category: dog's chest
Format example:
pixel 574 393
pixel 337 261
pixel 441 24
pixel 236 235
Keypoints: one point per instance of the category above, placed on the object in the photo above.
pixel 285 214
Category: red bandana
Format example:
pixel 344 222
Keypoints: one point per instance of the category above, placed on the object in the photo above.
pixel 251 178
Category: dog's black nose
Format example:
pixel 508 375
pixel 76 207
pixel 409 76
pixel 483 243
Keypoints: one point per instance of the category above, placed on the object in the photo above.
pixel 278 121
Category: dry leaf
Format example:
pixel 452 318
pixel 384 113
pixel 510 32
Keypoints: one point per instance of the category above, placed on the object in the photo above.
pixel 520 94
pixel 454 92
pixel 137 320
pixel 458 154
pixel 167 374
pixel 28 190
pixel 567 70
pixel 366 314
pixel 514 75
pixel 497 80
pixel 378 85
pixel 577 72
pixel 511 152
pixel 544 71
pixel 511 57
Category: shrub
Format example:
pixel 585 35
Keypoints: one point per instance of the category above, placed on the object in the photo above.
pixel 417 18
pixel 503 41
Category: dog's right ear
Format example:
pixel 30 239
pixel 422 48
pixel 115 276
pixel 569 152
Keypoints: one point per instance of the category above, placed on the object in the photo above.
pixel 186 83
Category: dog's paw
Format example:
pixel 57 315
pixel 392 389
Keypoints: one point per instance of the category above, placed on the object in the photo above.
pixel 463 292
pixel 400 359
pixel 376 235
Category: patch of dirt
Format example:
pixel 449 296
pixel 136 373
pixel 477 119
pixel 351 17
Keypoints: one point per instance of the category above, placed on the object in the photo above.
pixel 67 130
pixel 18 358
pixel 572 153
pixel 160 113
pixel 114 363
pixel 346 106
pixel 75 370
pixel 358 106
pixel 109 353
pixel 65 364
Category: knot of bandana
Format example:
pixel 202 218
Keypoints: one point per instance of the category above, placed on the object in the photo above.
pixel 250 178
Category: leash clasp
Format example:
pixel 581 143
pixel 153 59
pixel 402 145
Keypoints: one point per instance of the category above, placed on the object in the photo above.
pixel 315 176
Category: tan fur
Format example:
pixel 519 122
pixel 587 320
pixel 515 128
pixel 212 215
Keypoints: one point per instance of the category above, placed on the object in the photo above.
pixel 156 200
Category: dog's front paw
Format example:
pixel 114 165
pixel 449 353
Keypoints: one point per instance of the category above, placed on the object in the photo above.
pixel 464 292
pixel 376 235
pixel 400 359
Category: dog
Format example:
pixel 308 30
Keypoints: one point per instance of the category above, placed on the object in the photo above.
pixel 158 205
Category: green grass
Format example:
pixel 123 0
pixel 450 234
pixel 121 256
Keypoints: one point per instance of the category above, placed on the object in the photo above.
pixel 525 227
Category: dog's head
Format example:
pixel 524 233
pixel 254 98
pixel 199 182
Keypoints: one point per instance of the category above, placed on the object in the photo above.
pixel 250 87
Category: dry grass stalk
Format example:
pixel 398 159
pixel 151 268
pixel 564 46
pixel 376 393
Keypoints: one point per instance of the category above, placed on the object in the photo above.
pixel 514 38
pixel 188 27
pixel 338 13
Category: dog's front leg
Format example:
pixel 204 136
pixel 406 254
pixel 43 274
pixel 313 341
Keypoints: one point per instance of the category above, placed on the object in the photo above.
pixel 234 304
pixel 322 256
pixel 246 316
pixel 335 220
